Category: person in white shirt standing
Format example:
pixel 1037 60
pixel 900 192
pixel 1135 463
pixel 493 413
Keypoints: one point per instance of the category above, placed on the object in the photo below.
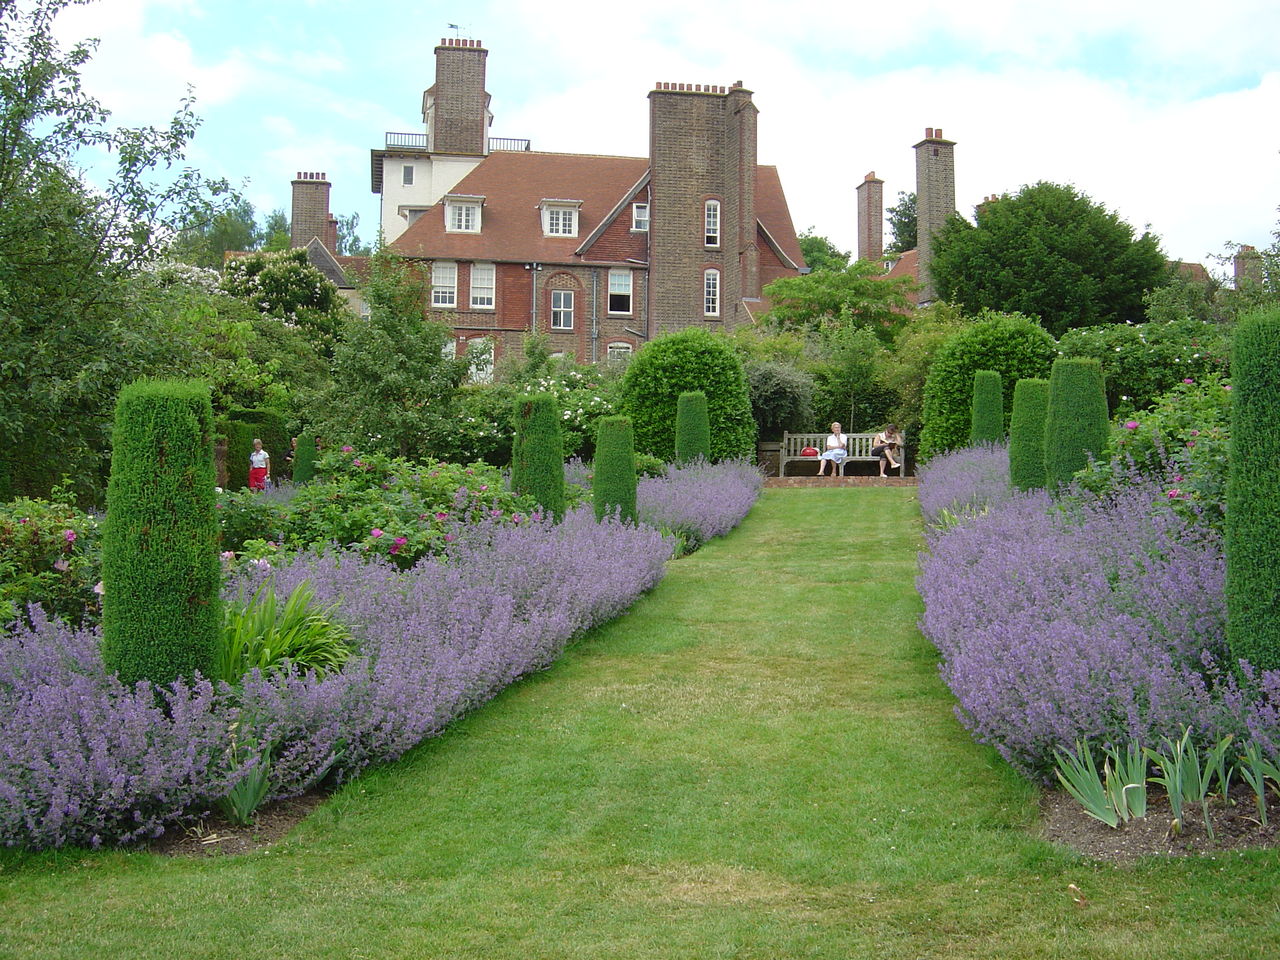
pixel 259 466
pixel 837 450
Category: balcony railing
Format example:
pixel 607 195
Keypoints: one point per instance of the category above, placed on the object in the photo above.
pixel 507 143
pixel 422 141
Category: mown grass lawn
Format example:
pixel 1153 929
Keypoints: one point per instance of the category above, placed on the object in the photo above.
pixel 758 761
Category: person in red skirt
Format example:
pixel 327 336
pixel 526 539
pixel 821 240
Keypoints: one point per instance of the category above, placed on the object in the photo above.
pixel 259 467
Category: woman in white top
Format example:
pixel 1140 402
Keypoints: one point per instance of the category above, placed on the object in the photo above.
pixel 837 450
pixel 259 466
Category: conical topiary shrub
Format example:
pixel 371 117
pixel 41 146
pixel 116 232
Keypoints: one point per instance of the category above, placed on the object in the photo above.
pixel 1075 426
pixel 537 452
pixel 1026 433
pixel 613 481
pixel 161 576
pixel 693 427
pixel 1253 493
pixel 304 458
pixel 986 417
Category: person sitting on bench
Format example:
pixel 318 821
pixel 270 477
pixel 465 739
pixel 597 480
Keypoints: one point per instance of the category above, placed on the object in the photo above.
pixel 835 453
pixel 886 446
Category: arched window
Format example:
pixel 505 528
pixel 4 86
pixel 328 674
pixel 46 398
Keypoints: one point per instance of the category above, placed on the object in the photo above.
pixel 711 293
pixel 711 222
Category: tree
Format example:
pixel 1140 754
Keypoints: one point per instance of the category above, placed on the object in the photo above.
pixel 821 254
pixel 206 244
pixel 286 286
pixel 1052 253
pixel 903 224
pixel 275 232
pixel 68 340
pixel 393 387
pixel 348 241
pixel 857 296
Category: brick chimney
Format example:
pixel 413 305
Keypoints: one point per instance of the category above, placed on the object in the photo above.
pixel 702 146
pixel 310 216
pixel 1247 263
pixel 870 217
pixel 935 199
pixel 456 109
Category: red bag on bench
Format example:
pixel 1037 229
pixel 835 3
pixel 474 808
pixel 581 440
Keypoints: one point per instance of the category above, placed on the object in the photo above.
pixel 809 452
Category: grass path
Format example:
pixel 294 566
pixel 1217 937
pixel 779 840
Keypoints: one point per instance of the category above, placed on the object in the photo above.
pixel 757 762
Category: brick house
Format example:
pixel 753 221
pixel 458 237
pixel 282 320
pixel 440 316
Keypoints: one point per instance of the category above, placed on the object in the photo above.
pixel 600 253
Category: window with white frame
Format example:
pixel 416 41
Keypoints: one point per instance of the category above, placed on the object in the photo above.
pixel 560 221
pixel 561 309
pixel 619 290
pixel 711 293
pixel 444 284
pixel 711 219
pixel 640 217
pixel 482 283
pixel 406 174
pixel 462 217
pixel 618 352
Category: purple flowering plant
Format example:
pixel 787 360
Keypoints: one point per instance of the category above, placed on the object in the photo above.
pixel 1100 617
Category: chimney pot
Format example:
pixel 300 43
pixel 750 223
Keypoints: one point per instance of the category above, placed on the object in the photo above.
pixel 928 133
pixel 938 133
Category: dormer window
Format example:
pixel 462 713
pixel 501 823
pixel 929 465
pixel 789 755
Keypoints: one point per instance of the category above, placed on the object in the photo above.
pixel 711 220
pixel 462 214
pixel 560 217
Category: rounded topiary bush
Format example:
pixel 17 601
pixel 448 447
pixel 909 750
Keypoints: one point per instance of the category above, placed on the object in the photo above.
pixel 613 479
pixel 1075 426
pixel 537 452
pixel 1253 493
pixel 304 459
pixel 1026 433
pixel 1012 345
pixel 689 360
pixel 986 416
pixel 161 574
pixel 693 429
pixel 781 398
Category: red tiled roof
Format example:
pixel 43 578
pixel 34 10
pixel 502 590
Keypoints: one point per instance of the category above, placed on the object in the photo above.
pixel 513 185
pixel 1191 271
pixel 356 266
pixel 773 213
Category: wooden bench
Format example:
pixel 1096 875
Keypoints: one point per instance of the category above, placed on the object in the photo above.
pixel 857 446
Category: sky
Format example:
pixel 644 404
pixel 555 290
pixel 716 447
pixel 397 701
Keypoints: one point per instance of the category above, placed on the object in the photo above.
pixel 1167 112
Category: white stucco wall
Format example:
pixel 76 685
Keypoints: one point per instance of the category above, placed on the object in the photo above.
pixel 433 177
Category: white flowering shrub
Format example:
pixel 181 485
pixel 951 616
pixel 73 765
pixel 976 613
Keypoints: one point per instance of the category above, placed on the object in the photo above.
pixel 285 285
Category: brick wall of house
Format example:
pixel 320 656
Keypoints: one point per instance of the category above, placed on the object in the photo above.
pixel 870 217
pixel 935 199
pixel 619 242
pixel 461 104
pixel 771 267
pixel 702 145
pixel 309 216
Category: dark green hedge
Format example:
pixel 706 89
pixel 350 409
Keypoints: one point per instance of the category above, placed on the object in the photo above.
pixel 693 429
pixel 1076 425
pixel 692 359
pixel 613 479
pixel 239 446
pixel 537 452
pixel 304 460
pixel 986 414
pixel 1012 345
pixel 161 574
pixel 1253 493
pixel 1026 433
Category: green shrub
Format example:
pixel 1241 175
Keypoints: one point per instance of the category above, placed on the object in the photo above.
pixel 304 459
pixel 1142 361
pixel 161 615
pixel 1026 433
pixel 239 438
pixel 613 482
pixel 1253 493
pixel 692 359
pixel 649 466
pixel 1075 426
pixel 693 429
pixel 50 554
pixel 781 398
pixel 265 425
pixel 1008 343
pixel 986 415
pixel 266 635
pixel 537 453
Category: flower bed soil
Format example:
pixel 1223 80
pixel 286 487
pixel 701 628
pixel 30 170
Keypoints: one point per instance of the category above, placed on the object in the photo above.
pixel 215 835
pixel 1235 827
